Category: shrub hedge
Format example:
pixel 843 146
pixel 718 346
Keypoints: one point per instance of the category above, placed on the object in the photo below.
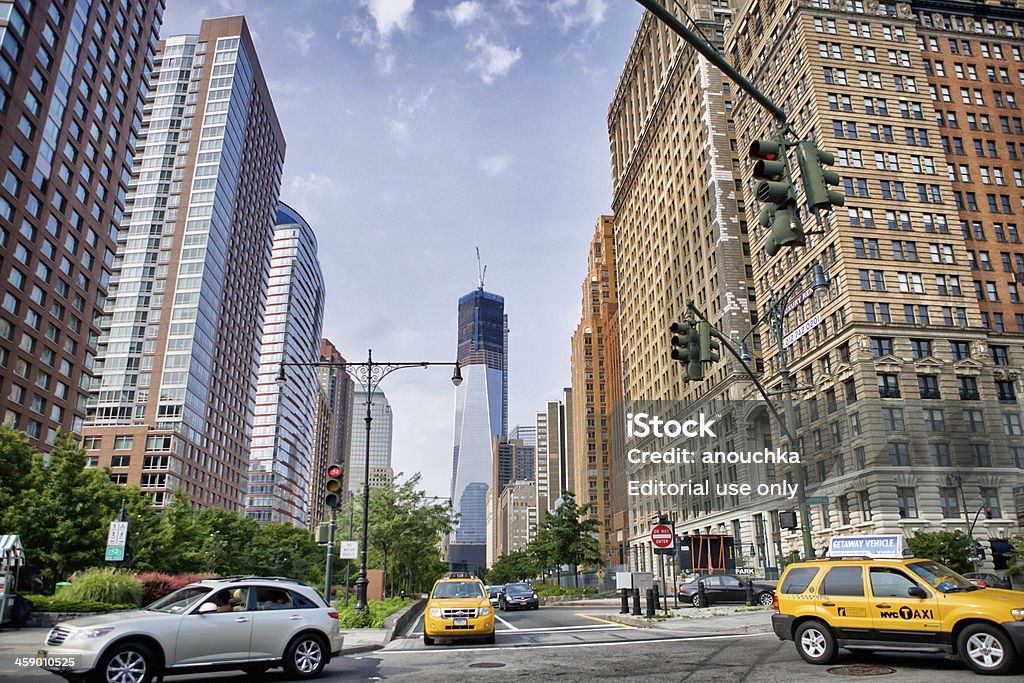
pixel 373 617
pixel 59 603
pixel 104 586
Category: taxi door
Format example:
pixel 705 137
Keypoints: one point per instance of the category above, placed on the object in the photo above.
pixel 899 616
pixel 844 602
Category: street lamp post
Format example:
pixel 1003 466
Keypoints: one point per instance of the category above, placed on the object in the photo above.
pixel 778 307
pixel 369 374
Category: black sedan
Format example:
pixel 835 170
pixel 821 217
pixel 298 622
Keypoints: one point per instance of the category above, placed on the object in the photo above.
pixel 518 595
pixel 724 588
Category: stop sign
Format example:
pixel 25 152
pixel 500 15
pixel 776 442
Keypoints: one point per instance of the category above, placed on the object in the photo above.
pixel 661 536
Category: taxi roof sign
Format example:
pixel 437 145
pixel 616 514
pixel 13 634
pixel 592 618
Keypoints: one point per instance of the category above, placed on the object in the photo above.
pixel 883 546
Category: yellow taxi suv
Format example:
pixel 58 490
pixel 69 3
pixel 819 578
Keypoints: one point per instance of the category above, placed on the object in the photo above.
pixel 870 596
pixel 459 607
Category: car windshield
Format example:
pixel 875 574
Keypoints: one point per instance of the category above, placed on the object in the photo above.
pixel 458 589
pixel 941 578
pixel 180 600
pixel 518 588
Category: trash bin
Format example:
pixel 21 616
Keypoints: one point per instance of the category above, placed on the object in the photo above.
pixel 61 585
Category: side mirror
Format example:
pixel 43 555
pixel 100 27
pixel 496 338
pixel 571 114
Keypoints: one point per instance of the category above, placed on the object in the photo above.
pixel 916 592
pixel 206 608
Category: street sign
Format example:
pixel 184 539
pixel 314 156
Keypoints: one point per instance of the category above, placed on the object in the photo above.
pixel 117 538
pixel 817 500
pixel 662 536
pixel 349 550
pixel 745 571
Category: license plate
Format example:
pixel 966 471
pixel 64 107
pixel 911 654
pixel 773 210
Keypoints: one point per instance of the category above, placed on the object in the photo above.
pixel 461 621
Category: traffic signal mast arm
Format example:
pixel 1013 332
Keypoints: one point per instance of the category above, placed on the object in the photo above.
pixel 750 373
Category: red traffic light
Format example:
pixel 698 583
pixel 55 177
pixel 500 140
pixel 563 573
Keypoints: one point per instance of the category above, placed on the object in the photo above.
pixel 334 471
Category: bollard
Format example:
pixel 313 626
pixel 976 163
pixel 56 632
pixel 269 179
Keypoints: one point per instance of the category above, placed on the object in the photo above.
pixel 636 602
pixel 624 609
pixel 750 592
pixel 702 595
pixel 657 596
pixel 650 603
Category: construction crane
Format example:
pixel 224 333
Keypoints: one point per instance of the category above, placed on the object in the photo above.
pixel 480 268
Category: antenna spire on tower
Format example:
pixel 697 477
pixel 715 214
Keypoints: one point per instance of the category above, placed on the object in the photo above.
pixel 481 269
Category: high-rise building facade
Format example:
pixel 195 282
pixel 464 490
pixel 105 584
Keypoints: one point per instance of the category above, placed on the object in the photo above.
pixel 918 342
pixel 281 454
pixel 680 234
pixel 174 392
pixel 481 414
pixel 338 387
pixel 321 457
pixel 525 433
pixel 549 464
pixel 516 515
pixel 72 81
pixel 512 461
pixel 381 428
pixel 590 412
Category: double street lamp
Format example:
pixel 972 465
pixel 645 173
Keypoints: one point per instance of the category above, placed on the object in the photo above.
pixel 369 374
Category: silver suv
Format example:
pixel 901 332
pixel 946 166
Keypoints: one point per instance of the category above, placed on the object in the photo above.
pixel 248 623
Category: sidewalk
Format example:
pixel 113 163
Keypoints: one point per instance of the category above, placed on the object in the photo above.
pixel 718 618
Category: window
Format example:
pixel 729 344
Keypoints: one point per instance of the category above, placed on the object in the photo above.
pixel 991 497
pixel 939 454
pixel 921 348
pixel 960 350
pixel 933 420
pixel 974 420
pixel 1011 424
pixel 120 460
pixel 797 580
pixel 123 442
pixel 91 443
pixel 892 419
pixel 968 387
pixel 980 456
pixel 843 581
pixel 906 500
pixel 928 385
pixel 890 583
pixel 865 504
pixel 899 454
pixel 881 346
pixel 888 386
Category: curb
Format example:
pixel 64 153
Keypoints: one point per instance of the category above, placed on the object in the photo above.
pixel 630 620
pixel 358 649
pixel 400 619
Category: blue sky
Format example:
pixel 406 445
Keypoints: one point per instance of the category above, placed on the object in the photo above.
pixel 417 131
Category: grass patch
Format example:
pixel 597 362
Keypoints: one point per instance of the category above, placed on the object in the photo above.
pixel 374 616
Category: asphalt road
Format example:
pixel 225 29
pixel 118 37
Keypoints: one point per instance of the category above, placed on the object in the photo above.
pixel 576 644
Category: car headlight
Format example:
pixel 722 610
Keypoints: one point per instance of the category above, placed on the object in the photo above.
pixel 90 633
pixel 435 612
pixel 1018 613
pixel 483 611
pixel 535 595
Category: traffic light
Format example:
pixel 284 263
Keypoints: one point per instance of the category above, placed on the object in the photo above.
pixel 988 512
pixel 817 178
pixel 333 485
pixel 709 348
pixel 774 188
pixel 787 519
pixel 686 349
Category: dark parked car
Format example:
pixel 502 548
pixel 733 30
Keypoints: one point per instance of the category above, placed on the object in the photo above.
pixel 517 595
pixel 985 579
pixel 723 588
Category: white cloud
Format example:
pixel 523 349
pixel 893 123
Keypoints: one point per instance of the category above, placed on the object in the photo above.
pixel 464 13
pixel 495 165
pixel 300 39
pixel 389 15
pixel 492 60
pixel 406 111
pixel 579 13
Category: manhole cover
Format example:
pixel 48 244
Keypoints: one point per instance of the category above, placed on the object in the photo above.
pixel 861 670
pixel 486 665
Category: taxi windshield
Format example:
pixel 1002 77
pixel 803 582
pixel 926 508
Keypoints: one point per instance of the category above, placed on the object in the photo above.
pixel 941 578
pixel 459 589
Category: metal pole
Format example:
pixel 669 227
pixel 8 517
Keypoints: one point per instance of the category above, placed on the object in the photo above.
pixel 348 563
pixel 787 401
pixel 712 55
pixel 329 571
pixel 362 581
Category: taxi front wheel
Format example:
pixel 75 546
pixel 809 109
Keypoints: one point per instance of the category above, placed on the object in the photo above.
pixel 985 649
pixel 815 642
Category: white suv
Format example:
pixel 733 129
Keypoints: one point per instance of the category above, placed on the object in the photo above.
pixel 248 623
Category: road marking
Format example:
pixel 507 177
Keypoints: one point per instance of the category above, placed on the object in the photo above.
pixel 582 628
pixel 641 641
pixel 514 628
pixel 613 623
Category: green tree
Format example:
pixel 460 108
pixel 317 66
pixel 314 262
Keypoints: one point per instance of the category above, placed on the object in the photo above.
pixel 519 565
pixel 16 463
pixel 568 536
pixel 951 548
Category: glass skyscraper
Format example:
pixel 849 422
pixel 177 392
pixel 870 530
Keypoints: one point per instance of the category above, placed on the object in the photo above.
pixel 381 428
pixel 481 414
pixel 282 446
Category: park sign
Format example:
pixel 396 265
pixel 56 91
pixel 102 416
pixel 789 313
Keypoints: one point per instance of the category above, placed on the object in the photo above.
pixel 1018 503
pixel 117 539
pixel 349 550
pixel 877 547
